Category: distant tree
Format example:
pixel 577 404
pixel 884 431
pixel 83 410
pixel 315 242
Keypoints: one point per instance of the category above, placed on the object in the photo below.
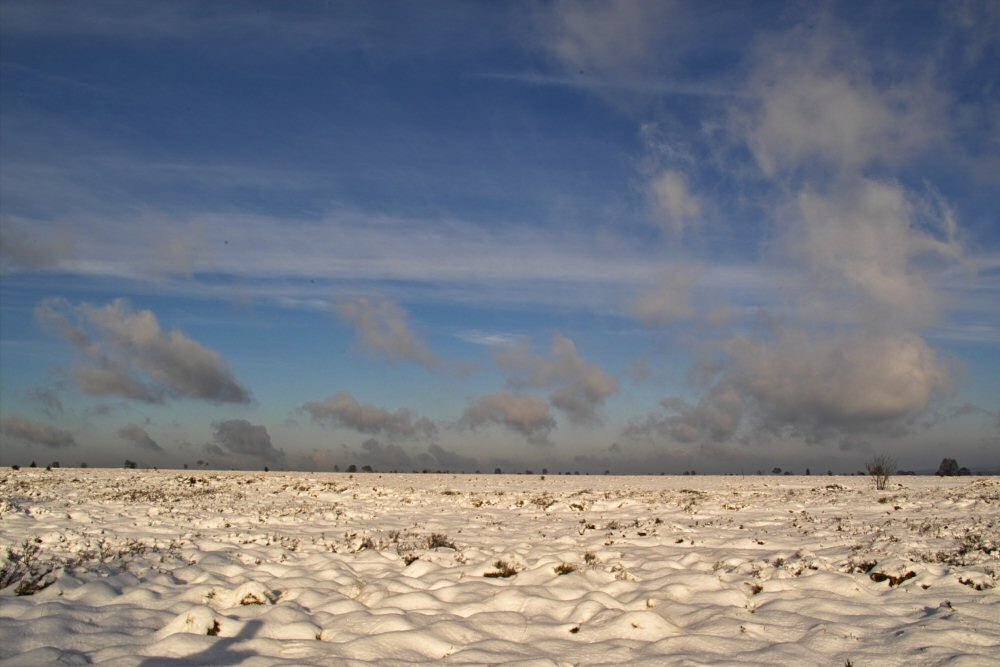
pixel 497 471
pixel 352 468
pixel 55 464
pixel 881 467
pixel 964 472
pixel 131 465
pixel 48 468
pixel 545 471
pixel 830 473
pixel 776 470
pixel 32 465
pixel 336 468
pixel 83 464
pixel 807 471
pixel 948 468
pixel 367 469
pixel 607 472
pixel 15 467
pixel 266 469
pixel 185 466
pixel 528 472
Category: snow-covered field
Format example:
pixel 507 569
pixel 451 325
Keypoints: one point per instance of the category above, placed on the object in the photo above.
pixel 177 567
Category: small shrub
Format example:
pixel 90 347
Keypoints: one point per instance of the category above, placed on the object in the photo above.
pixel 564 568
pixel 590 558
pixel 503 570
pixel 437 540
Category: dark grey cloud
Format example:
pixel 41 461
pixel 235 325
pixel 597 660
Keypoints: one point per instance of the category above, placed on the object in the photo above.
pixel 126 353
pixel 528 415
pixel 447 459
pixel 238 436
pixel 385 456
pixel 29 432
pixel 345 411
pixel 138 436
pixel 48 399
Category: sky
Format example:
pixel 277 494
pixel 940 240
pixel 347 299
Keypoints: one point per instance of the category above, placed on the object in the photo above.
pixel 643 237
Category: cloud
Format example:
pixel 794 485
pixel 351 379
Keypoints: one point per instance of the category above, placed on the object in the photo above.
pixel 862 382
pixel 238 436
pixel 384 330
pixel 20 249
pixel 818 102
pixel 670 302
pixel 31 433
pixel 873 243
pixel 390 456
pixel 676 206
pixel 139 437
pixel 606 39
pixel 48 399
pixel 714 419
pixel 447 459
pixel 126 353
pixel 579 387
pixel 527 415
pixel 344 410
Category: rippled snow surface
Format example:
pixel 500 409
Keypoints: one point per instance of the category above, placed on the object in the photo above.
pixel 181 567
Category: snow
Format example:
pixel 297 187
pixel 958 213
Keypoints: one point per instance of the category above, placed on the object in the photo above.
pixel 178 567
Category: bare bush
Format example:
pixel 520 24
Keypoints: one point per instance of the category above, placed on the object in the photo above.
pixel 881 468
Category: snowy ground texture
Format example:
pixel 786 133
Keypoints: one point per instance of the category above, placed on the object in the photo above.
pixel 169 567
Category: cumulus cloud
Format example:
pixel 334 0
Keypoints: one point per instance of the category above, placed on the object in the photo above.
pixel 126 353
pixel 674 203
pixel 578 386
pixel 29 432
pixel 713 419
pixel 874 243
pixel 384 330
pixel 238 436
pixel 138 436
pixel 817 102
pixel 851 383
pixel 345 411
pixel 528 415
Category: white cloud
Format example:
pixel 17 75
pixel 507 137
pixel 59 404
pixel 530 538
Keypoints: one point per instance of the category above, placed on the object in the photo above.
pixel 675 205
pixel 817 101
pixel 874 243
pixel 384 330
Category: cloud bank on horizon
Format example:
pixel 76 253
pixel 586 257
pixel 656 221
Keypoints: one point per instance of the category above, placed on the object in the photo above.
pixel 622 235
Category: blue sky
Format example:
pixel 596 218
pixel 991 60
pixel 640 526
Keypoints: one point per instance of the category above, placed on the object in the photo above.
pixel 624 236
